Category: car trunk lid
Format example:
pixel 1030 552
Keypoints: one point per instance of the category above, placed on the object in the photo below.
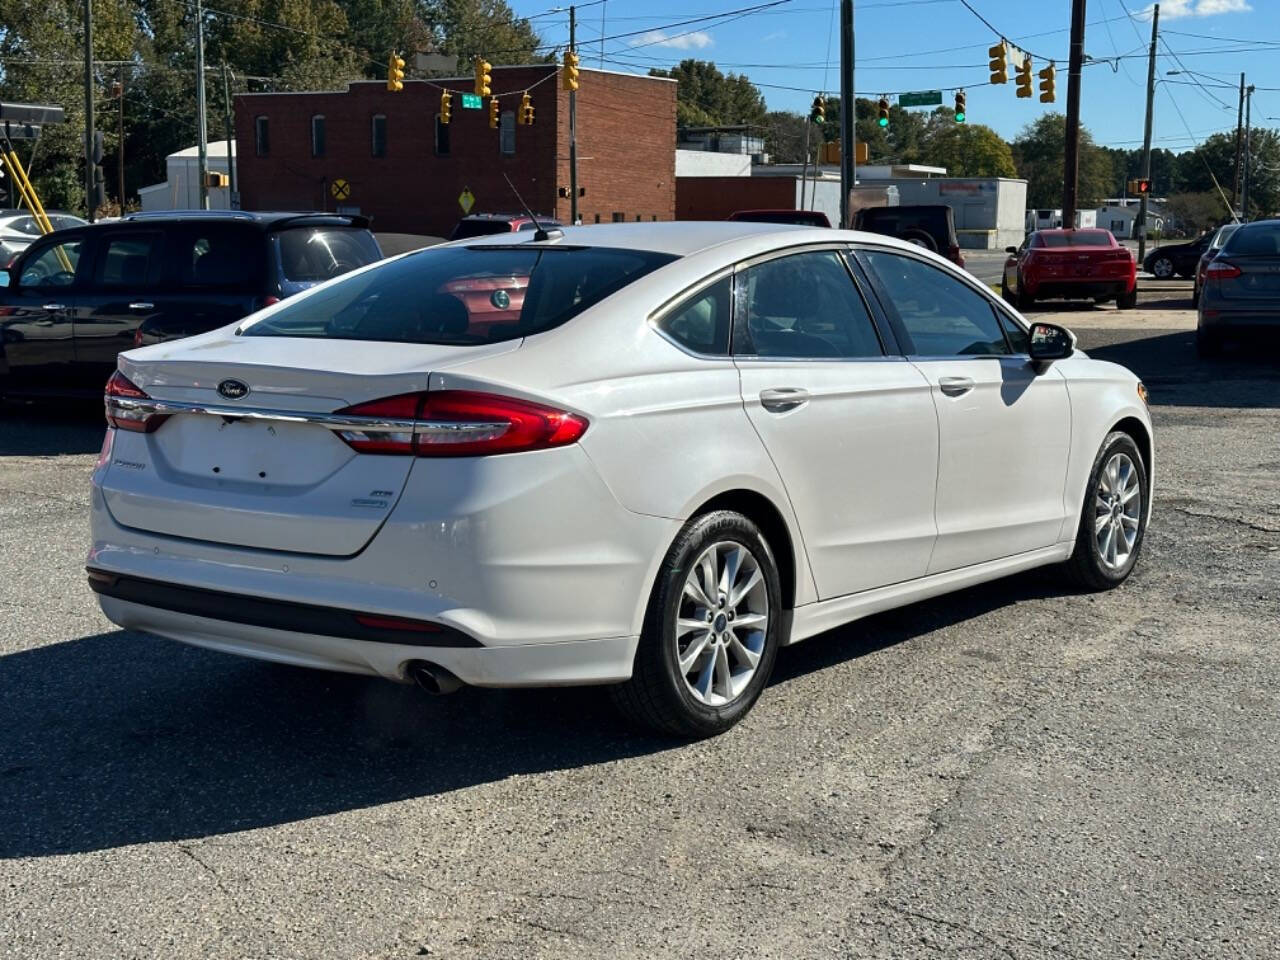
pixel 1246 278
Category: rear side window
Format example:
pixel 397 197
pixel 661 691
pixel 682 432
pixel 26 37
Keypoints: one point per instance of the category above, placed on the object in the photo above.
pixel 219 257
pixel 461 295
pixel 311 254
pixel 131 260
pixel 700 323
pixel 941 314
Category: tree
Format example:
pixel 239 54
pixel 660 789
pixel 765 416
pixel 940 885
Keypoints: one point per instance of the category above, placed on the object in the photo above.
pixel 1194 213
pixel 966 149
pixel 1214 160
pixel 1038 155
pixel 705 97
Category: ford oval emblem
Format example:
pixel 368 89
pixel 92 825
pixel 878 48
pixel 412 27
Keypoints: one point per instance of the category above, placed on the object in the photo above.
pixel 233 389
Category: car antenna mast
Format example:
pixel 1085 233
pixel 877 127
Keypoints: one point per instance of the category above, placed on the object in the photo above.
pixel 540 233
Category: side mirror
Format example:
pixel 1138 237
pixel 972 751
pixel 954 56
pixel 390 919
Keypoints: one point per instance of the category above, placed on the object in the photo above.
pixel 1051 342
pixel 1013 250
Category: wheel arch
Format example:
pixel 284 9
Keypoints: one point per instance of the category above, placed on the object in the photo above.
pixel 762 511
pixel 1141 435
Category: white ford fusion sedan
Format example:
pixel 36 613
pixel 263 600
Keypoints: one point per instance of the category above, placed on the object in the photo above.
pixel 646 455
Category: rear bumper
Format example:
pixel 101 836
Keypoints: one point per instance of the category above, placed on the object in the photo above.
pixel 1083 289
pixel 1221 314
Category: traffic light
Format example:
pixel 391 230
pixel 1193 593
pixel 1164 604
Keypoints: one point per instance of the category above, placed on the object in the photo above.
pixel 216 179
pixel 1139 186
pixel 446 106
pixel 829 152
pixel 395 72
pixel 483 77
pixel 570 70
pixel 882 109
pixel 818 111
pixel 494 119
pixel 1048 83
pixel 999 63
pixel 1024 79
pixel 526 107
pixel 960 114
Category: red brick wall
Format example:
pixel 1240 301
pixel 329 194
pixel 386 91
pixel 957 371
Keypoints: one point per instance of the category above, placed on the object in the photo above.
pixel 412 190
pixel 714 198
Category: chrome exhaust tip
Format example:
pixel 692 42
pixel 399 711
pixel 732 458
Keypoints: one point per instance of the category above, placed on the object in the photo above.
pixel 433 678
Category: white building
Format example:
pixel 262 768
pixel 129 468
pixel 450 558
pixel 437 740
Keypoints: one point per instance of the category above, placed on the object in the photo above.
pixel 181 191
pixel 1118 216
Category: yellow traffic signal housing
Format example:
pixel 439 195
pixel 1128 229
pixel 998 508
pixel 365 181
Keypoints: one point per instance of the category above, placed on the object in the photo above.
pixel 1048 84
pixel 526 109
pixel 570 70
pixel 483 77
pixel 446 106
pixel 395 72
pixel 1024 79
pixel 216 179
pixel 882 112
pixel 861 152
pixel 961 114
pixel 494 119
pixel 829 152
pixel 818 111
pixel 999 63
pixel 1139 186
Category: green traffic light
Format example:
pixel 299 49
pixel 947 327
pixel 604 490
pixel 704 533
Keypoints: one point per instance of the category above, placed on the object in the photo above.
pixel 959 118
pixel 884 121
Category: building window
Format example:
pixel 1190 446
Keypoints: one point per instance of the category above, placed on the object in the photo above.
pixel 378 136
pixel 317 135
pixel 597 218
pixel 442 138
pixel 261 136
pixel 507 133
pixel 619 217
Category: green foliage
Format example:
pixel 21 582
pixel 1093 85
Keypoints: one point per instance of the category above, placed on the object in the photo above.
pixel 1038 155
pixel 706 97
pixel 1196 212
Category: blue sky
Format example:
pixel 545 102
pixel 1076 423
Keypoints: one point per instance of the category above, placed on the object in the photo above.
pixel 791 50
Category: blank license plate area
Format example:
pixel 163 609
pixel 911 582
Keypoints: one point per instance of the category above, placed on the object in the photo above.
pixel 216 449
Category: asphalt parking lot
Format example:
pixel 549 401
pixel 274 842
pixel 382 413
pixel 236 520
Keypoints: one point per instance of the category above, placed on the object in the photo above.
pixel 1014 771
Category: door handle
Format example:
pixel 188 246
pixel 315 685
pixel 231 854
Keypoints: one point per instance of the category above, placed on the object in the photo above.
pixel 782 399
pixel 142 306
pixel 54 306
pixel 955 386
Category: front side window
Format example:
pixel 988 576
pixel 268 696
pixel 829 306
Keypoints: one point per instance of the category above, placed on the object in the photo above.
pixel 802 306
pixel 129 261
pixel 53 266
pixel 700 323
pixel 378 136
pixel 462 296
pixel 261 136
pixel 317 135
pixel 942 315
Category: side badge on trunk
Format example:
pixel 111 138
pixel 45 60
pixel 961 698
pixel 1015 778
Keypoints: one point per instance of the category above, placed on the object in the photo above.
pixel 233 389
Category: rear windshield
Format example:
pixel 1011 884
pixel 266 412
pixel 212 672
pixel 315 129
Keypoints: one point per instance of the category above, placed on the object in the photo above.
pixel 1075 238
pixel 311 254
pixel 897 220
pixel 466 229
pixel 462 295
pixel 1223 236
pixel 1254 240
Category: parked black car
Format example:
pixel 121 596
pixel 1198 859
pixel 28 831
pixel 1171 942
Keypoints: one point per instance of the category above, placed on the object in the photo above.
pixel 932 226
pixel 1177 259
pixel 76 298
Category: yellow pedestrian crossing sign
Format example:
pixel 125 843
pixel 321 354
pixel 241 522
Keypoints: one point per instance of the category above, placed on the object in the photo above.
pixel 340 189
pixel 466 200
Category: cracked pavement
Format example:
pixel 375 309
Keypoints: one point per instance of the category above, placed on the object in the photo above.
pixel 1015 771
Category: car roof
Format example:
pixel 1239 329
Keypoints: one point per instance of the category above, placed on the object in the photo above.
pixel 684 238
pixel 266 219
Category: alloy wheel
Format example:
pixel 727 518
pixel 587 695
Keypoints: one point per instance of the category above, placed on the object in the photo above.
pixel 1163 268
pixel 721 623
pixel 1117 511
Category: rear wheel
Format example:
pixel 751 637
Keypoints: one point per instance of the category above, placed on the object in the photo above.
pixel 1005 295
pixel 1113 519
pixel 1208 342
pixel 711 630
pixel 1025 301
pixel 920 239
pixel 1162 267
pixel 1127 301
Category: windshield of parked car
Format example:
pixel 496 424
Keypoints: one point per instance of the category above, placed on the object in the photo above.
pixel 461 295
pixel 1254 240
pixel 311 254
pixel 1222 235
pixel 1073 238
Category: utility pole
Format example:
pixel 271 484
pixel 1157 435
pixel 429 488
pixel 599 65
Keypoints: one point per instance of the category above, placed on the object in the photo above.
pixel 573 127
pixel 1071 167
pixel 1244 173
pixel 1235 175
pixel 202 131
pixel 231 133
pixel 88 110
pixel 848 111
pixel 120 139
pixel 1146 134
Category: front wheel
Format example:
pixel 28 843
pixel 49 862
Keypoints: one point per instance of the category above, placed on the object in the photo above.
pixel 1113 519
pixel 711 631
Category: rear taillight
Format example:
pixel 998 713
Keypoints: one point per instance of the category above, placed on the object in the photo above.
pixel 268 301
pixel 137 337
pixel 1221 270
pixel 128 408
pixel 459 423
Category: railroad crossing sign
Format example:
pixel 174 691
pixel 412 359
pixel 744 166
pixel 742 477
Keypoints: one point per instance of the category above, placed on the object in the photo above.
pixel 466 200
pixel 340 189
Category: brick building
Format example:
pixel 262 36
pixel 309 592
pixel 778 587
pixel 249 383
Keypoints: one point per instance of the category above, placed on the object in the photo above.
pixel 407 170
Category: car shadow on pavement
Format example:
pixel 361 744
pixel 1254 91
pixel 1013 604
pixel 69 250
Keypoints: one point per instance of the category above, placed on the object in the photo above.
pixel 117 739
pixel 50 429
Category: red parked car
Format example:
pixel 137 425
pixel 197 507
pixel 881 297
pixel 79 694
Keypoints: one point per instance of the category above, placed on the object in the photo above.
pixel 1070 265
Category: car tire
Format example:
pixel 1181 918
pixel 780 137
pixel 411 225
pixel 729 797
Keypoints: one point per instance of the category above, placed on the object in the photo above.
pixel 1195 297
pixel 1005 295
pixel 724 668
pixel 920 239
pixel 1127 301
pixel 1025 301
pixel 1162 268
pixel 1105 553
pixel 1208 343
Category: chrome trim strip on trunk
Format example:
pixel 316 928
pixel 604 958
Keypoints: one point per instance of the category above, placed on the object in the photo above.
pixel 137 408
